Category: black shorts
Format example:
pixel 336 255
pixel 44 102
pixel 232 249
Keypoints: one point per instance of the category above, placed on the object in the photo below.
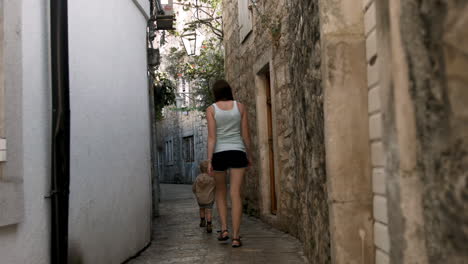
pixel 224 160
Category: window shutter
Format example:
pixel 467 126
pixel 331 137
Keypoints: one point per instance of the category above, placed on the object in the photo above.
pixel 245 19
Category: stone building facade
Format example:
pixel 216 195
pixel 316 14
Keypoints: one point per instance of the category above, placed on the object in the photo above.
pixel 358 127
pixel 181 136
pixel 181 145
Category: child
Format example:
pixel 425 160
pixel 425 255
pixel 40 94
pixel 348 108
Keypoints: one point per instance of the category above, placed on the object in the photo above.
pixel 204 190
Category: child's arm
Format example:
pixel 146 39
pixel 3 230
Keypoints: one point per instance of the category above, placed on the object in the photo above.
pixel 194 187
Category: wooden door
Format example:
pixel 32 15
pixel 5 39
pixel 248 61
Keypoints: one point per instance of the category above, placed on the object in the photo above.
pixel 271 146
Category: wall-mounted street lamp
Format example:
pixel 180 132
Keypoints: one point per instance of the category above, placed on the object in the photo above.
pixel 189 39
pixel 193 41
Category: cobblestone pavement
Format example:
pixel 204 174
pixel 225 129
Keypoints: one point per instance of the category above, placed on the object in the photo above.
pixel 178 239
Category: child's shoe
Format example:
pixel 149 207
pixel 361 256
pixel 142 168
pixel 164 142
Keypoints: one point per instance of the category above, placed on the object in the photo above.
pixel 202 222
pixel 209 228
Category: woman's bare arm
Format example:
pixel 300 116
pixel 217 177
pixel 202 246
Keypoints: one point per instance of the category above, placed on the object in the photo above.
pixel 211 135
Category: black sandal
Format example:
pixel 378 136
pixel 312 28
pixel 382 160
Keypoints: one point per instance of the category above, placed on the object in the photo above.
pixel 236 240
pixel 221 237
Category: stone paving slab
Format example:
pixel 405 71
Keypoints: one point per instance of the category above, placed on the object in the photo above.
pixel 178 239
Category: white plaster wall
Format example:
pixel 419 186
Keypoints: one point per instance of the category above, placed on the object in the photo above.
pixel 28 129
pixel 110 198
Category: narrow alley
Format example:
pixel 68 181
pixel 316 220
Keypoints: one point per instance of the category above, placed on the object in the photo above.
pixel 178 239
pixel 342 124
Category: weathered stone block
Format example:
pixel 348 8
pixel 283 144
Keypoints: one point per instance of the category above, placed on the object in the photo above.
pixel 381 236
pixel 378 154
pixel 375 126
pixel 371 45
pixel 381 257
pixel 380 209
pixel 360 239
pixel 378 181
pixel 347 171
pixel 369 19
pixel 374 100
pixel 373 73
pixel 348 20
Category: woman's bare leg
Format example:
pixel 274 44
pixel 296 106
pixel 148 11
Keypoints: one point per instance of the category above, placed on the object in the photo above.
pixel 221 202
pixel 237 178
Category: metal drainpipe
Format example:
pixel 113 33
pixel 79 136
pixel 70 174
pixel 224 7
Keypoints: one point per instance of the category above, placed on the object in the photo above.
pixel 60 131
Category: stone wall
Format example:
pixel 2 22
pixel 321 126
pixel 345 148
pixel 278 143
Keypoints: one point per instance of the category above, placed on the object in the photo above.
pixel 175 126
pixel 293 61
pixel 426 128
pixel 306 116
pixel 380 87
pixel 436 43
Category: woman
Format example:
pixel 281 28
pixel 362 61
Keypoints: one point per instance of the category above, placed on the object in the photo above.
pixel 228 149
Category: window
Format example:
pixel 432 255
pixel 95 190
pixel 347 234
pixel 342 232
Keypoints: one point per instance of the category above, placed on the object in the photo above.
pixel 187 93
pixel 169 152
pixel 184 93
pixel 159 160
pixel 245 18
pixel 189 151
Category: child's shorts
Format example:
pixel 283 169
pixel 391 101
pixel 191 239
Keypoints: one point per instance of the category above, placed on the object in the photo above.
pixel 224 160
pixel 206 206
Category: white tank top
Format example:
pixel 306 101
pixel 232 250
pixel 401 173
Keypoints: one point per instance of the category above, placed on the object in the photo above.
pixel 228 129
